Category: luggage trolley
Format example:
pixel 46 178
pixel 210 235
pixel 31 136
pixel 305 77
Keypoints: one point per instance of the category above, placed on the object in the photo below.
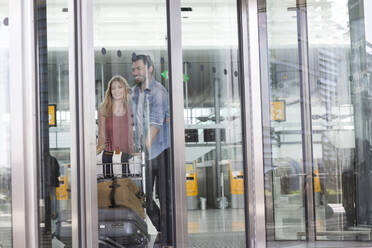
pixel 122 227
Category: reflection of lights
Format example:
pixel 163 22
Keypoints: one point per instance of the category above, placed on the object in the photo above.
pixel 121 24
pixel 209 118
pixel 337 208
pixel 324 18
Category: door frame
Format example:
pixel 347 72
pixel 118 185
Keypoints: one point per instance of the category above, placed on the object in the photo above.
pixel 252 123
pixel 23 124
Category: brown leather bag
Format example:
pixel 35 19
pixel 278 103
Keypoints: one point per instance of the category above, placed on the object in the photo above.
pixel 121 192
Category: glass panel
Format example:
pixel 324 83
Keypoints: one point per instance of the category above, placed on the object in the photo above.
pixel 283 166
pixel 340 52
pixel 340 47
pixel 213 129
pixel 54 122
pixel 133 170
pixel 5 167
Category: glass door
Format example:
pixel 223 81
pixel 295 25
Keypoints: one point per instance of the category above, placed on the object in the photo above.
pixel 281 97
pixel 133 169
pixel 316 121
pixel 340 104
pixel 213 124
pixel 55 168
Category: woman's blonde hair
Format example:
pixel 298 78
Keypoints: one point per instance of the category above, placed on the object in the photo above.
pixel 106 105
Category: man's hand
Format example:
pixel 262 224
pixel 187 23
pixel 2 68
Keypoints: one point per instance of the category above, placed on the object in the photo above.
pixel 151 136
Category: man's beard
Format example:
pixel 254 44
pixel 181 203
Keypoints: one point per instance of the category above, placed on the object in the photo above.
pixel 139 83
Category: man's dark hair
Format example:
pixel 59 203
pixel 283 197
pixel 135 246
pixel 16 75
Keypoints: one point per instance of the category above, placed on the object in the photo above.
pixel 146 59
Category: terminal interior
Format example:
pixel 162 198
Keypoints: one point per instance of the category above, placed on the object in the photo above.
pixel 340 116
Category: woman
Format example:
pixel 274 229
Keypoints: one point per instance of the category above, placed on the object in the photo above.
pixel 115 131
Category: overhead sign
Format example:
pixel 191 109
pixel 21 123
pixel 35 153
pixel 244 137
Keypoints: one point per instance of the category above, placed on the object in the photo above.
pixel 52 110
pixel 278 110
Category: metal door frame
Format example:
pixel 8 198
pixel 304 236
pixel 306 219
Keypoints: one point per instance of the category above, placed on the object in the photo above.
pixel 24 135
pixel 23 124
pixel 306 121
pixel 252 123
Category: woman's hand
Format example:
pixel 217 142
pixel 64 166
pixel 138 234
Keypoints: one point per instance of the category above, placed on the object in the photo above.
pixel 100 148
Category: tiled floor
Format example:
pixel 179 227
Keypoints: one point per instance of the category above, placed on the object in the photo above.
pixel 226 228
pixel 218 229
pixel 319 244
pixel 5 237
pixel 216 221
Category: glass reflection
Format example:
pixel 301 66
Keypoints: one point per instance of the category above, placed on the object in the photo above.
pixel 339 72
pixel 341 119
pixel 284 180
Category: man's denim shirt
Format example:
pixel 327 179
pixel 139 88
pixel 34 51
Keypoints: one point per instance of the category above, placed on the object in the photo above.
pixel 155 100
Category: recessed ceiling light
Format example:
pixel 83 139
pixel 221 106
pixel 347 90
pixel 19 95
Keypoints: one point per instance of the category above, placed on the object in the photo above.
pixel 184 9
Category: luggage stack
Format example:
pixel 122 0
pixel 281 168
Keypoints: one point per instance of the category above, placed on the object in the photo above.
pixel 121 201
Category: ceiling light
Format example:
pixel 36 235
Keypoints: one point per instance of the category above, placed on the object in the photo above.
pixel 184 9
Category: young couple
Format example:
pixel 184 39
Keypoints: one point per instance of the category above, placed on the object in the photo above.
pixel 146 109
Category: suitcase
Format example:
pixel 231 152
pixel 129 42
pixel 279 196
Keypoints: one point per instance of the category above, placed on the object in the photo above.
pixel 121 227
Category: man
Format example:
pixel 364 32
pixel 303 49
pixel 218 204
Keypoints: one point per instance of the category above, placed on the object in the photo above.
pixel 52 174
pixel 151 121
